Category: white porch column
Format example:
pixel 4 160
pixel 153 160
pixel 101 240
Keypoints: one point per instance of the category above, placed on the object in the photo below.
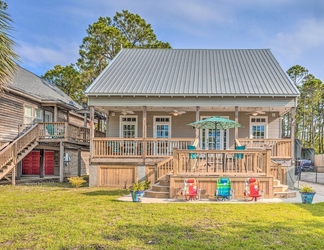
pixel 280 126
pixel 197 119
pixel 236 119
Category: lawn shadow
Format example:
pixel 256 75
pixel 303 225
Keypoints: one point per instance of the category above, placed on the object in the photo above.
pixel 316 209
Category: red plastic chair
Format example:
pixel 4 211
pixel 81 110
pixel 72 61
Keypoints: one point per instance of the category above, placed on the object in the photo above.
pixel 252 190
pixel 191 190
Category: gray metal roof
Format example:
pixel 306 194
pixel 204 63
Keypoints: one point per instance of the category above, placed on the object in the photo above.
pixel 186 72
pixel 28 83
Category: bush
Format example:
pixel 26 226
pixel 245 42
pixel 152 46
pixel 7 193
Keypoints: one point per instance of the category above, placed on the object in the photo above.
pixel 76 181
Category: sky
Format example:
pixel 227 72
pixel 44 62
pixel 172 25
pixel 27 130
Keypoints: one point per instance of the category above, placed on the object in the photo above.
pixel 49 33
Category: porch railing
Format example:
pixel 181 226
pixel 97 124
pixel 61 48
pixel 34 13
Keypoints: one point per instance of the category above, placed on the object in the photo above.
pixel 221 162
pixel 137 147
pixel 63 130
pixel 279 147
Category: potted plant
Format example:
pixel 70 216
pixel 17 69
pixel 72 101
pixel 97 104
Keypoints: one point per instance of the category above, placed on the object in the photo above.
pixel 137 190
pixel 307 194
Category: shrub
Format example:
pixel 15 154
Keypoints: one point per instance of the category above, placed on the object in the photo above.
pixel 76 181
pixel 306 189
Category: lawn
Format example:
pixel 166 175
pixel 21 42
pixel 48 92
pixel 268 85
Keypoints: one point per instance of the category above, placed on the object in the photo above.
pixel 57 216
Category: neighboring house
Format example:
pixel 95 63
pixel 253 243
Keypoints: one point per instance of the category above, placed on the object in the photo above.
pixel 40 130
pixel 150 95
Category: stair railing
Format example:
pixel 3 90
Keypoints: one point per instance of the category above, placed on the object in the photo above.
pixel 10 152
pixel 164 167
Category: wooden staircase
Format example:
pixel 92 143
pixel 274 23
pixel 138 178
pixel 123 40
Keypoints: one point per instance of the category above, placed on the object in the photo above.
pixel 14 152
pixel 281 190
pixel 160 189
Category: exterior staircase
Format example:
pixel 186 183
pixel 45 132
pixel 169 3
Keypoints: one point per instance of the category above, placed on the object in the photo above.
pixel 160 189
pixel 14 152
pixel 281 190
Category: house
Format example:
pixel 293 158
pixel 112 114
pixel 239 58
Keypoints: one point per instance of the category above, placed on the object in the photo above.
pixel 40 130
pixel 149 97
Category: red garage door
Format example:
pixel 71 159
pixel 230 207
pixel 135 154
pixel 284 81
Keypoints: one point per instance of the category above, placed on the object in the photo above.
pixel 49 163
pixel 31 163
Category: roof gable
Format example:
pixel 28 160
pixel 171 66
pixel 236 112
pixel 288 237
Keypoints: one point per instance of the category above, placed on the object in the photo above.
pixel 191 72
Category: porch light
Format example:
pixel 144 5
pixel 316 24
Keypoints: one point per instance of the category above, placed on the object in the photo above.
pixel 255 114
pixel 175 114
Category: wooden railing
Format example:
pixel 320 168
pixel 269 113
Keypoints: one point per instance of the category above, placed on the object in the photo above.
pixel 165 167
pixel 10 152
pixel 279 147
pixel 134 147
pixel 221 162
pixel 63 130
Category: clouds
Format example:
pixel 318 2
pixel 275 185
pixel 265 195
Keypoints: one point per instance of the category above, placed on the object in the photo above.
pixel 309 34
pixel 50 32
pixel 63 54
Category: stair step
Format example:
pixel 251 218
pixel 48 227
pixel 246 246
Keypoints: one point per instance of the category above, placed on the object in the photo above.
pixel 153 194
pixel 159 188
pixel 164 182
pixel 288 194
pixel 281 188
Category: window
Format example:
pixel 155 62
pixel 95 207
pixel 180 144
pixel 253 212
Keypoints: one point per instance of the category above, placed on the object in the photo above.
pixel 162 126
pixel 28 115
pixel 258 127
pixel 39 115
pixel 48 116
pixel 128 126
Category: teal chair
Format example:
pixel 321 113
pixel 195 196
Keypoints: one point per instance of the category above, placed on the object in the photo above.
pixel 239 156
pixel 224 189
pixel 192 155
pixel 50 129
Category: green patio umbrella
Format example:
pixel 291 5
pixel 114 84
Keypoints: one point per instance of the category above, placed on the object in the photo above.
pixel 215 122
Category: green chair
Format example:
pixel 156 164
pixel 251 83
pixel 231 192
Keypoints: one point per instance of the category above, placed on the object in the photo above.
pixel 224 189
pixel 50 129
pixel 239 156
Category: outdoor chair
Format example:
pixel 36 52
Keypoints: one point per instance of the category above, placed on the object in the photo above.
pixel 191 190
pixel 252 190
pixel 50 129
pixel 224 189
pixel 192 155
pixel 114 148
pixel 238 158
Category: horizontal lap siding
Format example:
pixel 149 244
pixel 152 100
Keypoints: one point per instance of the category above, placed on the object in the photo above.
pixel 11 115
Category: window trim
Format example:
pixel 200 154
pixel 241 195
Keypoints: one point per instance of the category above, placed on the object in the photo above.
pixel 165 123
pixel 121 124
pixel 265 123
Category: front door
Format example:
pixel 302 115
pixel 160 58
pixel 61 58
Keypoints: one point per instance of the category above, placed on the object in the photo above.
pixel 49 163
pixel 213 138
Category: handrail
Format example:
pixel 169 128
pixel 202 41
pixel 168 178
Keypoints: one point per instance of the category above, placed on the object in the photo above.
pixel 164 167
pixel 11 151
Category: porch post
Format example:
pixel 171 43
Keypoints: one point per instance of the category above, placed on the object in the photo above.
pixel 197 119
pixel 42 160
pixel 55 113
pixel 85 120
pixel 61 161
pixel 280 126
pixel 292 134
pixel 236 119
pixel 144 133
pixel 91 131
pixel 107 121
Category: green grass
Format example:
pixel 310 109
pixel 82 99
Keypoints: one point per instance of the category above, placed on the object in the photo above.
pixel 56 216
